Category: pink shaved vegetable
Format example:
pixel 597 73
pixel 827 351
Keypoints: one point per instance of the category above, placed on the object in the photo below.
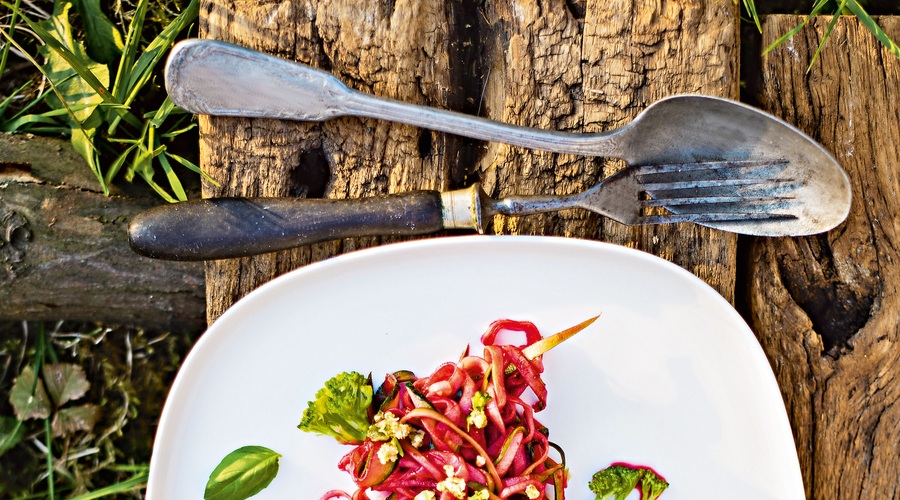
pixel 466 431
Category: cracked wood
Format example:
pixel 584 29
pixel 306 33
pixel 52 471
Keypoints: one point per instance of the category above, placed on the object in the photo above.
pixel 826 307
pixel 576 66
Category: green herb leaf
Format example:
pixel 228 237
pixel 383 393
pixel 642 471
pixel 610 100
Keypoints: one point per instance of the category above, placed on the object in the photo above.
pixel 242 473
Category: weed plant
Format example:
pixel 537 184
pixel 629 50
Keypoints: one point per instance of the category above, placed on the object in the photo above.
pixel 99 84
pixel 80 407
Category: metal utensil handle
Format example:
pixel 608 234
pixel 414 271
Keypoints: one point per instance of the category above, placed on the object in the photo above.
pixel 222 228
pixel 219 78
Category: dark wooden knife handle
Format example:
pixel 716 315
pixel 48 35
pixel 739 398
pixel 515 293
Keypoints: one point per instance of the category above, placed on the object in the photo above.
pixel 220 228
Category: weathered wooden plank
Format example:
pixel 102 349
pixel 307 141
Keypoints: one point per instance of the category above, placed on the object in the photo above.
pixel 826 307
pixel 591 67
pixel 577 66
pixel 64 251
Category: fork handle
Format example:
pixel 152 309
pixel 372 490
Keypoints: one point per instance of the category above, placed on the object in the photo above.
pixel 219 228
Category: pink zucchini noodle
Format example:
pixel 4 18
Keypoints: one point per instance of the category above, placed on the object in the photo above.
pixel 466 431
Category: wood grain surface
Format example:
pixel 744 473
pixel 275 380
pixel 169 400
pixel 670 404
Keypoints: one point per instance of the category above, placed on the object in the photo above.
pixel 827 308
pixel 564 65
pixel 64 251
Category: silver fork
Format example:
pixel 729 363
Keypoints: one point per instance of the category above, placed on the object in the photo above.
pixel 734 193
pixel 720 191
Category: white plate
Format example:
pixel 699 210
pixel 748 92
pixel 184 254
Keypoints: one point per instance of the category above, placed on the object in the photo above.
pixel 670 376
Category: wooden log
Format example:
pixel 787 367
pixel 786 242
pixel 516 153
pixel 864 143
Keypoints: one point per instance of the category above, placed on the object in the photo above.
pixel 825 307
pixel 64 251
pixel 577 66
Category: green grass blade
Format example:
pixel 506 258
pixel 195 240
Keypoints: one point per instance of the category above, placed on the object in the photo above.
pixel 6 102
pixel 116 165
pixel 157 48
pixel 817 8
pixel 4 55
pixel 175 133
pixel 160 115
pixel 174 181
pixel 192 166
pixel 22 123
pixel 750 7
pixel 131 484
pixel 870 23
pixel 148 178
pixel 828 30
pixel 130 50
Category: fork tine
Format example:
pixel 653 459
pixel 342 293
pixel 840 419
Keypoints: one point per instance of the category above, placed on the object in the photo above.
pixel 714 200
pixel 713 217
pixel 668 168
pixel 651 187
pixel 717 191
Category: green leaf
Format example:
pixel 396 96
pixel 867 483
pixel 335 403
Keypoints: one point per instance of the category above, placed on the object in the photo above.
pixel 65 382
pixel 28 397
pixel 103 40
pixel 12 432
pixel 242 474
pixel 160 115
pixel 22 123
pixel 192 166
pixel 174 182
pixel 117 164
pixel 83 141
pixel 79 79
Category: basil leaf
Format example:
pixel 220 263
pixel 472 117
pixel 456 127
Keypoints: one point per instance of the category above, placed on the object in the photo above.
pixel 242 473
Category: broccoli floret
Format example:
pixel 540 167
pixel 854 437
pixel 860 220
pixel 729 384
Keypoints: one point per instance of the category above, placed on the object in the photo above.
pixel 341 409
pixel 652 486
pixel 615 482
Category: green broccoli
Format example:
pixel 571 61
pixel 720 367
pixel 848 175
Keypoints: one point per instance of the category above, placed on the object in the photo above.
pixel 652 486
pixel 615 482
pixel 342 409
pixel 618 480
